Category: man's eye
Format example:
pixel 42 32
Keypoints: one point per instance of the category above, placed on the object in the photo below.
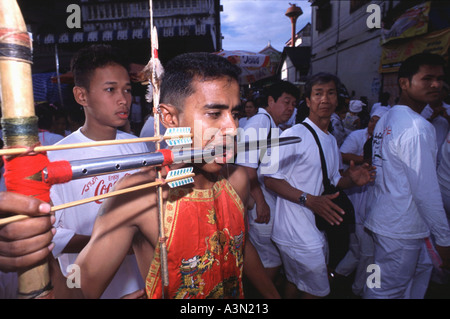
pixel 235 115
pixel 109 89
pixel 214 114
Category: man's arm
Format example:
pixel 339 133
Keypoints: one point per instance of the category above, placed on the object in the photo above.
pixel 119 220
pixel 262 209
pixel 103 255
pixel 419 157
pixel 253 267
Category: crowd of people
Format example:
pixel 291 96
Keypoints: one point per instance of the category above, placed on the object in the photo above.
pixel 248 225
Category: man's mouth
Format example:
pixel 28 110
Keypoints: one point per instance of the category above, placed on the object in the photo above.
pixel 123 115
pixel 221 153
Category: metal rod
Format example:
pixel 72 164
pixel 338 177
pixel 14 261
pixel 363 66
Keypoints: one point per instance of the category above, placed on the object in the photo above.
pixel 106 165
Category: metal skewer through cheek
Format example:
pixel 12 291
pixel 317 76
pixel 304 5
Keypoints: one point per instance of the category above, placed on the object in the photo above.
pixel 107 165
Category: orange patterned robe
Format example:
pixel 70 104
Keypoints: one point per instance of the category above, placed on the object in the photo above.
pixel 205 238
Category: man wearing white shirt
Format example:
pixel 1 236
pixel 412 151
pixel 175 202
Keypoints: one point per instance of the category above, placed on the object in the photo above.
pixel 297 180
pixel 405 205
pixel 281 101
pixel 103 88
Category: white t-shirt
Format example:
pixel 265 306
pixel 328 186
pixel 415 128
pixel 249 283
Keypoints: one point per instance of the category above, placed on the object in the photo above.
pixel 405 201
pixel 80 219
pixel 257 128
pixel 299 164
pixel 49 138
pixel 354 144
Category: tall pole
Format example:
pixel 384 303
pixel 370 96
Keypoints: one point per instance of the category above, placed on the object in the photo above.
pixel 293 13
pixel 19 125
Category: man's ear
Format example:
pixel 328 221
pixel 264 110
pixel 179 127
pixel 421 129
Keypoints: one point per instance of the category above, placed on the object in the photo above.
pixel 403 83
pixel 308 102
pixel 79 93
pixel 169 115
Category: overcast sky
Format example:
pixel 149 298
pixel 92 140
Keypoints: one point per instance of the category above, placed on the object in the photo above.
pixel 250 24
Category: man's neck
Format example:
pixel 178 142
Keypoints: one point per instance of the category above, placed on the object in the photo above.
pixel 269 110
pixel 203 179
pixel 416 106
pixel 321 122
pixel 99 134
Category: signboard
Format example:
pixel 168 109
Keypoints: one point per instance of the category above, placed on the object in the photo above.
pixel 393 54
pixel 412 23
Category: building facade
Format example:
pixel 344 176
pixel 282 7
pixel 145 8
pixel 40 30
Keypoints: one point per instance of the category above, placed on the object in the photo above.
pixel 183 26
pixel 363 42
pixel 295 60
pixel 343 44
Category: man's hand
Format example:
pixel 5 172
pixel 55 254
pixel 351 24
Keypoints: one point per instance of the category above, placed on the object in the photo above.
pixel 325 208
pixel 361 174
pixel 25 243
pixel 262 212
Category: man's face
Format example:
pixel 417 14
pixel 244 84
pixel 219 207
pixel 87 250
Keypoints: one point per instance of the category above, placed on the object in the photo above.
pixel 425 86
pixel 250 109
pixel 323 101
pixel 108 99
pixel 212 114
pixel 372 122
pixel 281 110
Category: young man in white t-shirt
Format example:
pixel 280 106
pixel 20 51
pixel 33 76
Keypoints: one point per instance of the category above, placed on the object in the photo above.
pixel 405 205
pixel 297 179
pixel 103 89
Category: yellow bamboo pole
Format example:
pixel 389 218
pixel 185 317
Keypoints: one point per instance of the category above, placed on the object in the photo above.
pixel 18 115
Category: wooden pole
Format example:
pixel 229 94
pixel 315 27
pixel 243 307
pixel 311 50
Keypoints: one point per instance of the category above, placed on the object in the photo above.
pixel 19 122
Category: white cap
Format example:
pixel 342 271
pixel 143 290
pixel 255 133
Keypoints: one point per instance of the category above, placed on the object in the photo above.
pixel 355 106
pixel 379 111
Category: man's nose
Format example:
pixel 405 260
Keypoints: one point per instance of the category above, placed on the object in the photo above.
pixel 437 83
pixel 325 98
pixel 230 125
pixel 122 97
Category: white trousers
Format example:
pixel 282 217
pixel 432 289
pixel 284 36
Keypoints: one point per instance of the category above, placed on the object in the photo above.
pixel 405 268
